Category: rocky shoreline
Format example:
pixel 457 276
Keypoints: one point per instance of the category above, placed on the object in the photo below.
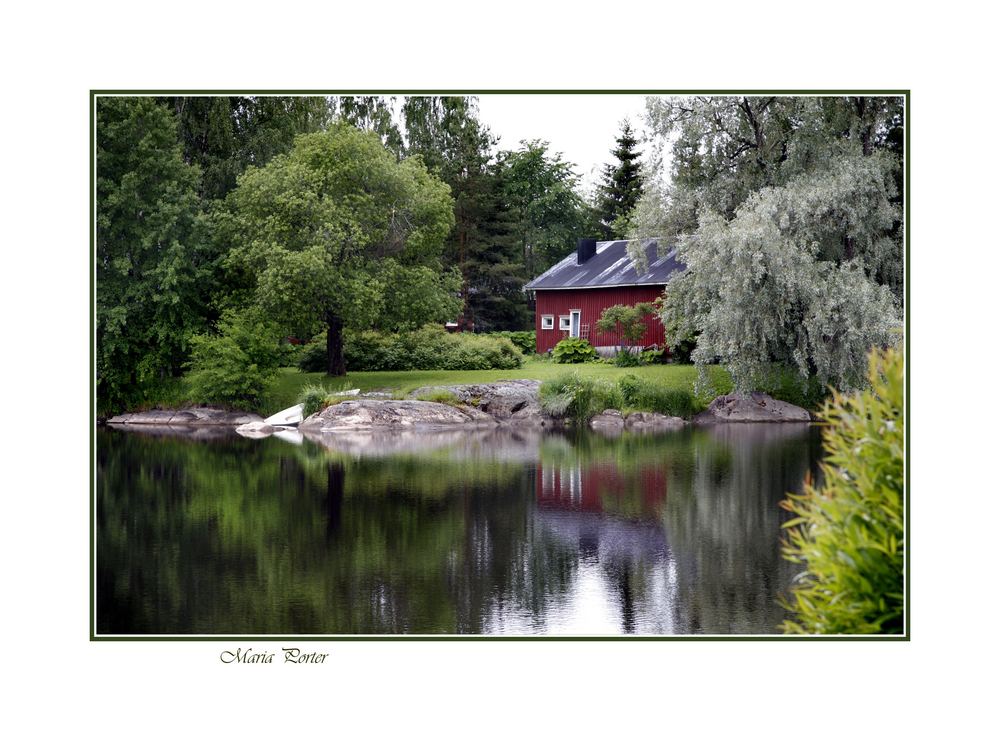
pixel 502 404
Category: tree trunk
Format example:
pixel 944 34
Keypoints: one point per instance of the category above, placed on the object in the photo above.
pixel 335 346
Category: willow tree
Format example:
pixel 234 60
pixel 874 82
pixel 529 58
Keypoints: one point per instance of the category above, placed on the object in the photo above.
pixel 339 233
pixel 788 214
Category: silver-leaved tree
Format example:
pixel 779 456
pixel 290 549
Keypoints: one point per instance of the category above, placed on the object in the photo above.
pixel 788 214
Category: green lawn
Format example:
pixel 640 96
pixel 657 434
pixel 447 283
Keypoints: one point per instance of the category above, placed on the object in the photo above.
pixel 291 381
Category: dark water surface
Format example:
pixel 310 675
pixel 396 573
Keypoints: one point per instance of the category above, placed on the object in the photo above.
pixel 482 533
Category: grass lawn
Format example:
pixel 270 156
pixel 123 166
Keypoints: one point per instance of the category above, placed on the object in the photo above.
pixel 291 381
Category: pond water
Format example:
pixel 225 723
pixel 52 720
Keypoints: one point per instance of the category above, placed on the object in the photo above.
pixel 450 532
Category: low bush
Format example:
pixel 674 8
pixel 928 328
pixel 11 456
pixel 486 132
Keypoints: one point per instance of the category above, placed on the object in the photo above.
pixel 625 358
pixel 312 397
pixel 573 350
pixel 577 399
pixel 429 348
pixel 312 355
pixel 847 532
pixel 522 339
pixel 643 395
pixel 315 398
pixel 652 356
pixel 787 384
pixel 237 365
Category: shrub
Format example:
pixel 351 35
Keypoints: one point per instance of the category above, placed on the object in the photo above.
pixel 653 355
pixel 625 358
pixel 522 339
pixel 848 531
pixel 312 355
pixel 645 395
pixel 573 350
pixel 312 397
pixel 787 384
pixel 236 366
pixel 577 399
pixel 429 348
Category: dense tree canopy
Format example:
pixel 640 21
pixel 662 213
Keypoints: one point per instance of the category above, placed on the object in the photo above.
pixel 787 212
pixel 548 212
pixel 154 261
pixel 226 135
pixel 321 233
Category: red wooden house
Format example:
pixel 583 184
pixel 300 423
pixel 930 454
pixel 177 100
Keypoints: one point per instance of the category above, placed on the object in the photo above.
pixel 570 297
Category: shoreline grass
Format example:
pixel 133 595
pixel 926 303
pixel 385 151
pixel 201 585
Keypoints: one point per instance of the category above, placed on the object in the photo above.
pixel 291 382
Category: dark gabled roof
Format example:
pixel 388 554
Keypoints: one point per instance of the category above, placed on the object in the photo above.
pixel 611 266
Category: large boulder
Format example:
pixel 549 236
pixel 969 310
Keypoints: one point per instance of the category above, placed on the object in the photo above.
pixel 192 417
pixel 377 414
pixel 754 406
pixel 646 422
pixel 513 399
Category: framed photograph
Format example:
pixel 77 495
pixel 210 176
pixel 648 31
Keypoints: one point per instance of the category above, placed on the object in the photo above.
pixel 480 365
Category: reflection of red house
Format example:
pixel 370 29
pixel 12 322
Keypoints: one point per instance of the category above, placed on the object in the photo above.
pixel 597 488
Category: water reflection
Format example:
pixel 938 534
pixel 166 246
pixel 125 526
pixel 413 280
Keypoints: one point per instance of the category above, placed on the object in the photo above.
pixel 446 532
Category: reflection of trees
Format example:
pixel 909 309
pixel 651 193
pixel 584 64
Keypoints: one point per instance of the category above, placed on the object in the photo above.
pixel 265 537
pixel 724 526
pixel 234 536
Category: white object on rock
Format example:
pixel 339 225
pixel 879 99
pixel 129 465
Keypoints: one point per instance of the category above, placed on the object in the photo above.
pixel 289 417
pixel 352 392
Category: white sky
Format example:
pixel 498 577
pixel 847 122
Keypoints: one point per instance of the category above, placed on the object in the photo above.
pixel 582 127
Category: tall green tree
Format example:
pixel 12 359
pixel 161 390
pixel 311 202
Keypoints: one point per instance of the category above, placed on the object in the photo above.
pixel 621 185
pixel 155 262
pixel 321 234
pixel 224 135
pixel 448 135
pixel 547 209
pixel 373 114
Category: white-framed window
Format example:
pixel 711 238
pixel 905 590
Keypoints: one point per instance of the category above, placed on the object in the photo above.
pixel 547 321
pixel 564 322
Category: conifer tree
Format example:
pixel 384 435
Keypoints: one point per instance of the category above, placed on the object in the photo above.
pixel 622 186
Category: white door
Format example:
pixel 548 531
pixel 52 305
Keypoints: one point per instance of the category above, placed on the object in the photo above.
pixel 574 323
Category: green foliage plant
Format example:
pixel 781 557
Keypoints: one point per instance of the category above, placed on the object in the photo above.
pixel 573 350
pixel 312 397
pixel 576 398
pixel 523 339
pixel 847 533
pixel 642 395
pixel 237 365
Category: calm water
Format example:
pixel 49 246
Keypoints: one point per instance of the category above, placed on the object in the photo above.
pixel 482 533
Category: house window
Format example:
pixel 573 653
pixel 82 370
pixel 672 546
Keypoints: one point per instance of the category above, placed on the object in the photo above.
pixel 564 322
pixel 547 321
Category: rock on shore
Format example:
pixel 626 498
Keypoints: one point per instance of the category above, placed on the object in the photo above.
pixel 508 400
pixel 192 417
pixel 747 407
pixel 376 414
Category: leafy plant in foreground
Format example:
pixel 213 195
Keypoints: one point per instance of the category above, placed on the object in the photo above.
pixel 848 531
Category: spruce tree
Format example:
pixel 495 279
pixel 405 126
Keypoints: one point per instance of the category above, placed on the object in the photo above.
pixel 621 187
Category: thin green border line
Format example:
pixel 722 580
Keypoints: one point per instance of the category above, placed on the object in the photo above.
pixel 905 637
